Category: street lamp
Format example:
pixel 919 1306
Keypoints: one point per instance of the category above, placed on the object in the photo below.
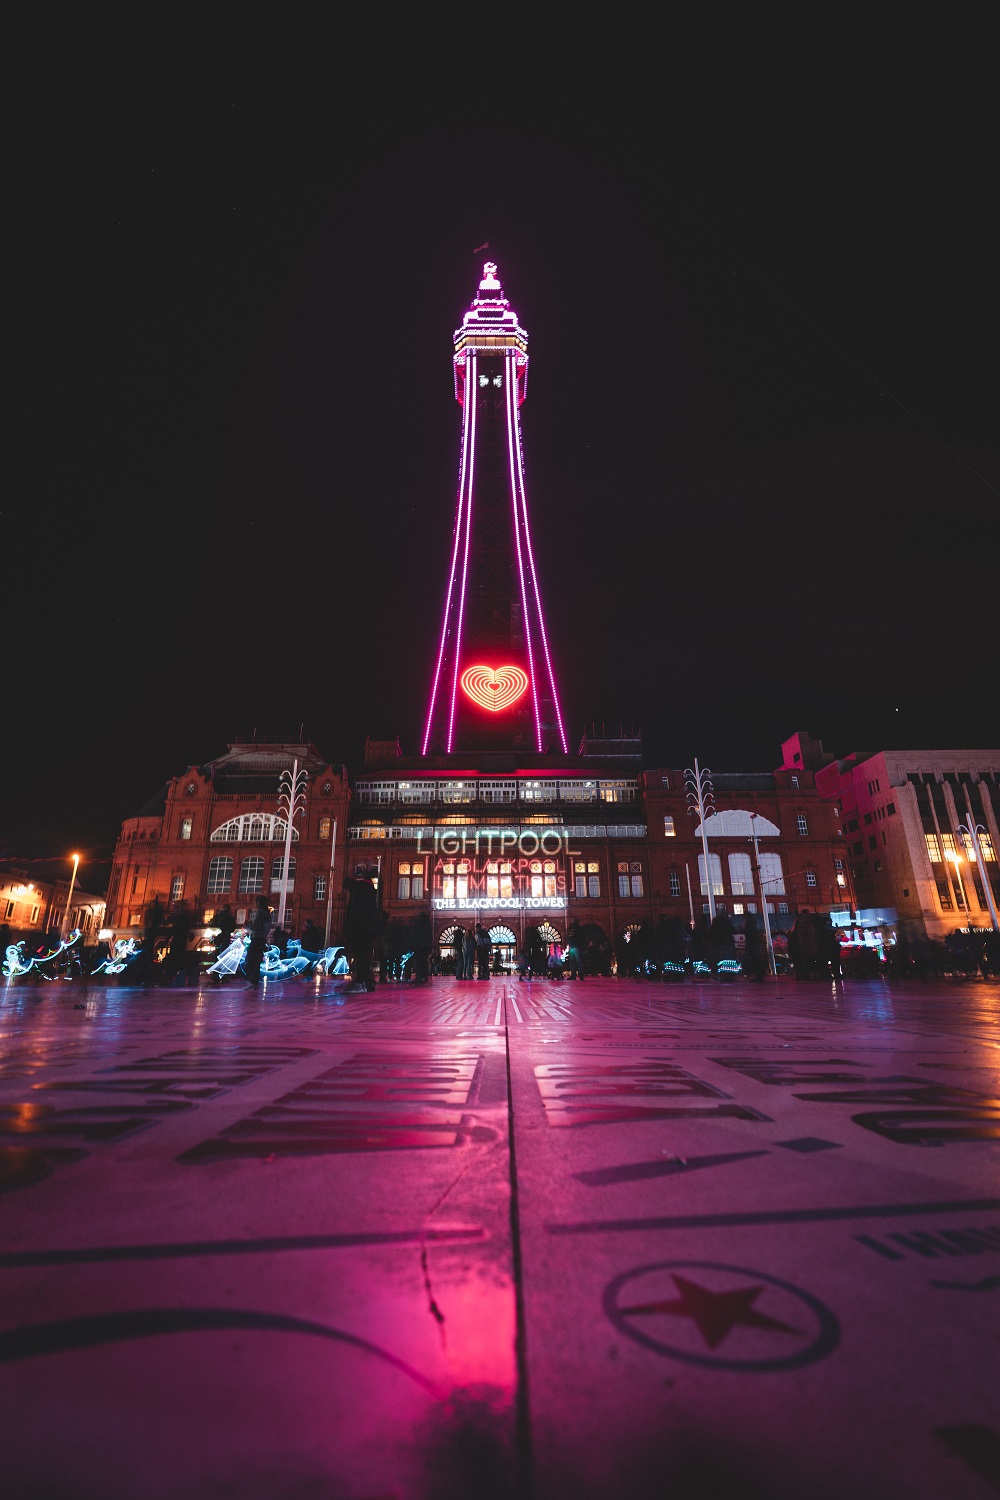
pixel 970 832
pixel 291 803
pixel 72 882
pixel 956 860
pixel 701 804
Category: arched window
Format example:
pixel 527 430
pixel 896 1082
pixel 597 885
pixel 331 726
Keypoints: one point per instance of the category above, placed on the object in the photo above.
pixel 220 875
pixel 740 875
pixel 253 828
pixel 737 823
pixel 503 936
pixel 252 875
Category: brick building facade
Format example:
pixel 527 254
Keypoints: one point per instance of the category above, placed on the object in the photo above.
pixel 510 840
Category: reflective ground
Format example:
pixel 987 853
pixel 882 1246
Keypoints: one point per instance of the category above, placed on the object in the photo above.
pixel 500 1239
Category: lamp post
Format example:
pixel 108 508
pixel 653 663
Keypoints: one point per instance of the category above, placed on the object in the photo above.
pixel 72 882
pixel 956 859
pixel 701 804
pixel 772 966
pixel 970 832
pixel 329 889
pixel 291 802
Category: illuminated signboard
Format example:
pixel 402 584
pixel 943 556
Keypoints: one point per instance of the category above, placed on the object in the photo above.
pixel 494 688
pixel 517 884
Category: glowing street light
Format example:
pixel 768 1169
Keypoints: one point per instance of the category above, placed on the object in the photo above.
pixel 956 860
pixel 72 882
pixel 701 804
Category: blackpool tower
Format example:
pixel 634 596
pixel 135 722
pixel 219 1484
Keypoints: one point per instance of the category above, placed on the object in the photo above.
pixel 494 682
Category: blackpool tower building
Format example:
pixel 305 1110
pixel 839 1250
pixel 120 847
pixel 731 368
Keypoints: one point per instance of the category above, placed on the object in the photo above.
pixel 494 680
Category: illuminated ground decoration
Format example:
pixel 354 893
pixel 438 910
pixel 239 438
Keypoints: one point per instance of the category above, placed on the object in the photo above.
pixel 491 356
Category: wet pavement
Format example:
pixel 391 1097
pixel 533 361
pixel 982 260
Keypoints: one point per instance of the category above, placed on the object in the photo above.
pixel 500 1239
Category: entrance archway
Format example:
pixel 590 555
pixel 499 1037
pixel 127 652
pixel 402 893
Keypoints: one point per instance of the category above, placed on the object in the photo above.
pixel 504 949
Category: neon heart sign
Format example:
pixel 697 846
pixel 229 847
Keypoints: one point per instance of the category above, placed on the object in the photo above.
pixel 494 688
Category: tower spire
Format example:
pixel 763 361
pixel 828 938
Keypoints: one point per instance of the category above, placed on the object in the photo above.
pixel 494 680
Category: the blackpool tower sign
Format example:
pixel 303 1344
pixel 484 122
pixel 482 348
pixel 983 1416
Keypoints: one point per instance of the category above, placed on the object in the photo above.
pixel 493 671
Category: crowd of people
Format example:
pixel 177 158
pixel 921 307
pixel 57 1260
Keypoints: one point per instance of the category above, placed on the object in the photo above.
pixel 170 948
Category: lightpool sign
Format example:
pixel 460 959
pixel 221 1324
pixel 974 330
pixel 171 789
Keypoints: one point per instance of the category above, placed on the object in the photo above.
pixel 499 843
pixel 517 882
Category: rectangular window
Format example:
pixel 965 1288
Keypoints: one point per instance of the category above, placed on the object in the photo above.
pixel 252 875
pixel 872 788
pixel 852 826
pixel 872 841
pixel 838 864
pixel 675 883
pixel 669 831
pixel 593 885
pixel 782 907
pixel 220 875
pixel 319 888
pixel 636 885
pixel 716 867
pixel 277 874
pixel 877 866
pixel 10 910
pixel 740 875
pixel 623 885
pixel 580 885
pixel 802 823
pixel 177 888
pixel 34 915
pixel 771 875
pixel 186 826
pixel 811 878
pixel 795 783
pixel 325 825
pixel 403 888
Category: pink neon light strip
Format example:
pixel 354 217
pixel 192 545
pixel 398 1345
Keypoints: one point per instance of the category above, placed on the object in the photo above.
pixel 451 578
pixel 511 399
pixel 468 532
pixel 534 579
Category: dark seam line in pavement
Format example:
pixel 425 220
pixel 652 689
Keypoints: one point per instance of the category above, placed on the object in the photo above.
pixel 777 1216
pixel 522 1405
pixel 194 1248
pixel 34 1339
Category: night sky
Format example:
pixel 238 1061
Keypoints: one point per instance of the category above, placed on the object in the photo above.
pixel 757 261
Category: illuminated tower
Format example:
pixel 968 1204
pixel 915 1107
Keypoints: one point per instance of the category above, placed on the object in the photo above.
pixel 493 678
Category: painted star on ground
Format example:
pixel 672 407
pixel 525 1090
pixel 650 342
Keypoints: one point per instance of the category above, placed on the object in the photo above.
pixel 715 1313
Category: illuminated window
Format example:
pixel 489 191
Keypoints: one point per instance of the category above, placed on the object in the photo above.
pixel 34 916
pixel 10 910
pixel 740 875
pixel 580 878
pixel 802 823
pixel 220 875
pixel 462 880
pixel 782 908
pixel 669 831
pixel 252 875
pixel 325 824
pixel 278 870
pixel 186 826
pixel 403 887
pixel 795 783
pixel 448 882
pixel 177 887
pixel 319 888
pixel 811 878
pixel 675 883
pixel 537 888
pixel 550 877
pixel 716 868
pixel 737 908
pixel 630 878
pixel 771 875
pixel 619 791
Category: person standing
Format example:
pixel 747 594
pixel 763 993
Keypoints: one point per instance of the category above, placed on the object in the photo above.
pixel 259 928
pixel 422 941
pixel 362 927
pixel 573 957
pixel 753 949
pixel 482 946
pixel 225 924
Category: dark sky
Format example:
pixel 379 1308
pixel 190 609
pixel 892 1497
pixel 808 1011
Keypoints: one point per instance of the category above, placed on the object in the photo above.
pixel 757 259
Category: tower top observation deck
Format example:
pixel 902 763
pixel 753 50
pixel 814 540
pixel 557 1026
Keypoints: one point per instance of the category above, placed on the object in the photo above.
pixel 489 327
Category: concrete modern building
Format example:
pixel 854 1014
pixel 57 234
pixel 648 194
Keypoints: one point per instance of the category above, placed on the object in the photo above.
pixel 909 819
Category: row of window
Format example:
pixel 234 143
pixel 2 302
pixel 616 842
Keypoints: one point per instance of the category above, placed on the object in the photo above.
pixel 251 882
pixel 495 791
pixel 737 823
